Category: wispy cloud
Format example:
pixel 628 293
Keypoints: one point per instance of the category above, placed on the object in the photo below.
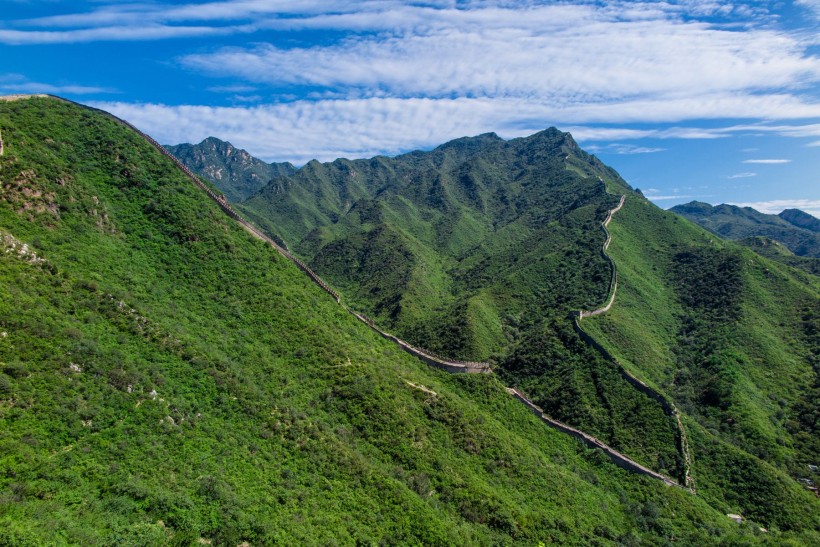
pixel 812 5
pixel 671 196
pixel 623 149
pixel 301 130
pixel 810 206
pixel 741 175
pixel 654 194
pixel 232 88
pixel 596 62
pixel 16 83
pixel 768 161
pixel 566 54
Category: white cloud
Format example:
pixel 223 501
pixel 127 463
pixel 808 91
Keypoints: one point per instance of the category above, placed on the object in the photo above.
pixel 298 131
pixel 741 175
pixel 812 5
pixel 623 149
pixel 565 54
pixel 773 207
pixel 232 88
pixel 815 143
pixel 16 83
pixel 111 33
pixel 768 161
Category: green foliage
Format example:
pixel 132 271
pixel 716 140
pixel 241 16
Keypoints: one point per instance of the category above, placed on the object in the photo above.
pixel 440 246
pixel 728 335
pixel 480 247
pixel 166 378
pixel 574 384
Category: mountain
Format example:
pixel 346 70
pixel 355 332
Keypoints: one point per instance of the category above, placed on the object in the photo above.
pixel 800 219
pixel 168 378
pixel 454 247
pixel 235 172
pixel 704 367
pixel 798 231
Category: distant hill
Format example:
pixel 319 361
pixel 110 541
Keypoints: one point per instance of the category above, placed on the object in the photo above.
pixel 235 172
pixel 801 219
pixel 797 230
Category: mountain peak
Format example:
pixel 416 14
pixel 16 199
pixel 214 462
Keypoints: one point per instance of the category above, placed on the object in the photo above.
pixel 801 219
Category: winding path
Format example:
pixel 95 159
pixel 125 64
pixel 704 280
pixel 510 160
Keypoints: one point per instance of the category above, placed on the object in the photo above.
pixel 668 406
pixel 450 365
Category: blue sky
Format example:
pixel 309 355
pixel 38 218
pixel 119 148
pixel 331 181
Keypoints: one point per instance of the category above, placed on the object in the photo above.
pixel 689 99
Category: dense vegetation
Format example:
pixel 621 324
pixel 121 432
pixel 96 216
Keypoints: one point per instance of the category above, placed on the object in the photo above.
pixel 452 248
pixel 798 231
pixel 237 174
pixel 708 324
pixel 732 338
pixel 475 249
pixel 168 379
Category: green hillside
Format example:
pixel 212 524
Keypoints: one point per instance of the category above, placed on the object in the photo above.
pixel 455 247
pixel 478 249
pixel 168 379
pixel 732 338
pixel 734 353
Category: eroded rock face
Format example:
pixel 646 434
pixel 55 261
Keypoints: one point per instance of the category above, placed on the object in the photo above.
pixel 11 246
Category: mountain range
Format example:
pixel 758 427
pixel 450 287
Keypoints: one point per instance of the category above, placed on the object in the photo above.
pixel 167 375
pixel 797 230
pixel 480 247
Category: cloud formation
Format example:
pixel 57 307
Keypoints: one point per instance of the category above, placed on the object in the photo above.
pixel 617 61
pixel 768 161
pixel 299 131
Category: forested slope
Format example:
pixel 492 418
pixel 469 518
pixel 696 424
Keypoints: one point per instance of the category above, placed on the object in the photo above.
pixel 166 378
pixel 732 338
pixel 453 248
pixel 746 389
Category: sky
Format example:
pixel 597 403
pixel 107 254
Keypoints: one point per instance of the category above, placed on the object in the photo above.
pixel 686 99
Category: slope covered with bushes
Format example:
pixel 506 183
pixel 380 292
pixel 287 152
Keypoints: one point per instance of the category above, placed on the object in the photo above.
pixel 454 247
pixel 707 325
pixel 732 338
pixel 165 378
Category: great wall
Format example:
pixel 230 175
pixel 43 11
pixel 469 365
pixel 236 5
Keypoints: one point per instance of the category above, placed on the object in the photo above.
pixel 430 358
pixel 668 406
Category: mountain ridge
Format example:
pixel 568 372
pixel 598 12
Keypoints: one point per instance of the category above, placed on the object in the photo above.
pixel 798 230
pixel 358 225
pixel 235 172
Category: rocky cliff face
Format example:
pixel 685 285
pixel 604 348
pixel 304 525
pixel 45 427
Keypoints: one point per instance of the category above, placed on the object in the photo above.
pixel 233 170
